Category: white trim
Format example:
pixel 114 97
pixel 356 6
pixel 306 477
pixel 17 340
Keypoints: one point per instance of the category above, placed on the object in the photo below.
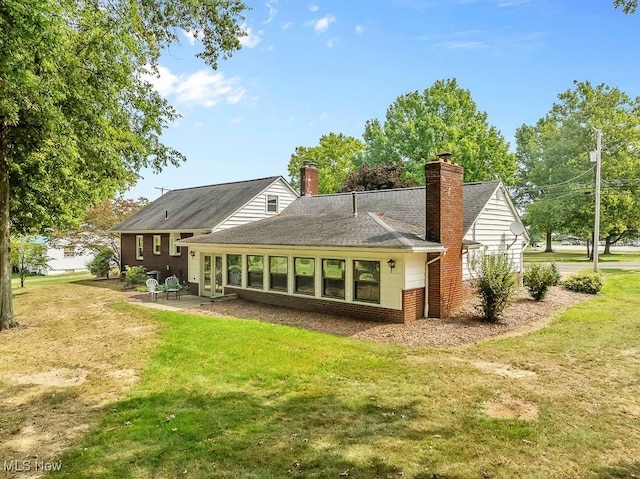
pixel 139 247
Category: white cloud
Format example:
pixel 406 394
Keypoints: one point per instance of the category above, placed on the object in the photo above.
pixel 313 7
pixel 332 42
pixel 322 24
pixel 190 35
pixel 271 6
pixel 250 40
pixel 512 3
pixel 286 25
pixel 465 45
pixel 359 29
pixel 236 121
pixel 202 88
pixel 323 117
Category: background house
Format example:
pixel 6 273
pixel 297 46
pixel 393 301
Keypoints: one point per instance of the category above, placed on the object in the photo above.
pixel 393 255
pixel 149 237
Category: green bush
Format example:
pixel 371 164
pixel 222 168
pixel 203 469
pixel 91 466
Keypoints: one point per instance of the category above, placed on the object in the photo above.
pixel 590 283
pixel 101 264
pixel 538 278
pixel 494 280
pixel 557 277
pixel 134 276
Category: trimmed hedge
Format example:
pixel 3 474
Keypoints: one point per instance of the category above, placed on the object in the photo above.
pixel 590 283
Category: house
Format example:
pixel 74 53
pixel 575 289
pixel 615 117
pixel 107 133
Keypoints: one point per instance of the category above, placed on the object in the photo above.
pixel 390 255
pixel 149 237
pixel 66 257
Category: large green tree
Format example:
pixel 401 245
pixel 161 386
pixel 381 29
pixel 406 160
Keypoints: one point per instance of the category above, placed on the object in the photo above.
pixel 336 156
pixel 78 118
pixel 557 175
pixel 28 256
pixel 443 117
pixel 628 6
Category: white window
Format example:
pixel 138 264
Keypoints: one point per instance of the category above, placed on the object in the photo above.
pixel 157 244
pixel 174 249
pixel 69 251
pixel 139 247
pixel 272 204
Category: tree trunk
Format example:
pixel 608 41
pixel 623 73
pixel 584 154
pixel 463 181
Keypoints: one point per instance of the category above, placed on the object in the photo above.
pixel 7 318
pixel 548 248
pixel 588 249
pixel 607 245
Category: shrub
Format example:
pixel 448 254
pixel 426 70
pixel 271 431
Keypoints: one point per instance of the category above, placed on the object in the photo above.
pixel 590 283
pixel 557 277
pixel 494 280
pixel 538 278
pixel 101 264
pixel 134 276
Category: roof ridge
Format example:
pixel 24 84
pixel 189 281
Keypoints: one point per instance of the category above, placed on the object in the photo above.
pixel 228 183
pixel 384 225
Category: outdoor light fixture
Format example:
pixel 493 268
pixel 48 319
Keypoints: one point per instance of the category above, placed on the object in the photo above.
pixel 192 253
pixel 392 264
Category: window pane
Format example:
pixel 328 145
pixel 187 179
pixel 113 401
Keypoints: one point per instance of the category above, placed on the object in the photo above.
pixel 304 275
pixel 366 281
pixel 272 203
pixel 255 271
pixel 234 269
pixel 333 278
pixel 278 273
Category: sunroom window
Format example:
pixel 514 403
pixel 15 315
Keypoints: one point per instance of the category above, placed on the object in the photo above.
pixel 333 278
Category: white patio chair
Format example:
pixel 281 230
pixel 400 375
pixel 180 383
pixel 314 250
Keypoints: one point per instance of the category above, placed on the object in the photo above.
pixel 172 285
pixel 152 286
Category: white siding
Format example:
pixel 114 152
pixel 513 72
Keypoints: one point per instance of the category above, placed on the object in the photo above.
pixel 391 282
pixel 414 270
pixel 491 229
pixel 59 264
pixel 256 208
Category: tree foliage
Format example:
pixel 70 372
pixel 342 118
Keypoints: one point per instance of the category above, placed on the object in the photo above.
pixel 377 177
pixel 78 116
pixel 628 6
pixel 557 177
pixel 28 256
pixel 336 156
pixel 443 117
pixel 95 233
pixel 102 263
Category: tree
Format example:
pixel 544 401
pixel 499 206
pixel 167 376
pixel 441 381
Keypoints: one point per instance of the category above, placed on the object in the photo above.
pixel 443 117
pixel 28 256
pixel 378 177
pixel 95 233
pixel 336 156
pixel 628 6
pixel 78 116
pixel 102 263
pixel 557 177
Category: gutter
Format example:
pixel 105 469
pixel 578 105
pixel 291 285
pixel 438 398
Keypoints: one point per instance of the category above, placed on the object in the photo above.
pixel 426 283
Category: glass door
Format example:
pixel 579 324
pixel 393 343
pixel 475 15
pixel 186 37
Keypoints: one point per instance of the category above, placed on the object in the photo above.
pixel 217 286
pixel 206 275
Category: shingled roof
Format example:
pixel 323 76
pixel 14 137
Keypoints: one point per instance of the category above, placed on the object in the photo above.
pixel 193 209
pixel 386 219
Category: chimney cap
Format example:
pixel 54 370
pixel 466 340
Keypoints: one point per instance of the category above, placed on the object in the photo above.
pixel 309 164
pixel 444 155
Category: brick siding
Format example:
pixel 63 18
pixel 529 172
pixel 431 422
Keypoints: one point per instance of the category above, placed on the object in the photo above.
pixel 178 265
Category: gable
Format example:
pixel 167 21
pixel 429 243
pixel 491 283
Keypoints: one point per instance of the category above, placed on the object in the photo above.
pixel 193 209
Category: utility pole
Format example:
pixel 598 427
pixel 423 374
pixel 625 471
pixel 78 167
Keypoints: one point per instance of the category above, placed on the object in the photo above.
pixel 597 157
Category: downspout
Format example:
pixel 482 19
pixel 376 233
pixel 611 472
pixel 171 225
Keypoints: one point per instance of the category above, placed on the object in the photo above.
pixel 426 281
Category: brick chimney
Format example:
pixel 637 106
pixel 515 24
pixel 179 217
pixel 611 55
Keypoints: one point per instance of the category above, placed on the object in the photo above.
pixel 308 179
pixel 444 224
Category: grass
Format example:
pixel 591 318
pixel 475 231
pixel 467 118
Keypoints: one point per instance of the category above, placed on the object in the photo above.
pixel 39 280
pixel 225 398
pixel 532 256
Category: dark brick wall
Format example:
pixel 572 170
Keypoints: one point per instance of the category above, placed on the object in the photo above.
pixel 352 310
pixel 444 219
pixel 178 265
pixel 308 179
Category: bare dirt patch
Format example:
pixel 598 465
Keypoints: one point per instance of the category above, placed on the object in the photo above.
pixel 462 327
pixel 504 370
pixel 70 358
pixel 508 407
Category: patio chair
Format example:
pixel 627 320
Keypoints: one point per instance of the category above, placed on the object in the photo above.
pixel 152 286
pixel 172 285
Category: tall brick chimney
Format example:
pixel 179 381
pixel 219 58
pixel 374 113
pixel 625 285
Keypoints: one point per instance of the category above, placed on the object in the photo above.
pixel 444 224
pixel 308 179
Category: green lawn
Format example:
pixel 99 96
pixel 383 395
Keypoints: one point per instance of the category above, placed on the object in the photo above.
pixel 224 398
pixel 38 280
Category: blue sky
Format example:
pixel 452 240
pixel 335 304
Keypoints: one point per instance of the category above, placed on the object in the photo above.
pixel 310 68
